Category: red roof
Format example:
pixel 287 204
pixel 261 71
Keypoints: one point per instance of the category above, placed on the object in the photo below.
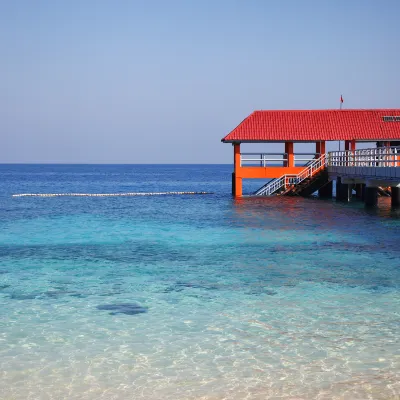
pixel 317 125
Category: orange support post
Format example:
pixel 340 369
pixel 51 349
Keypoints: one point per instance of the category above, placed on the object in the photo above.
pixel 396 158
pixel 290 154
pixel 350 145
pixel 320 148
pixel 237 189
pixel 317 149
pixel 323 147
pixel 387 144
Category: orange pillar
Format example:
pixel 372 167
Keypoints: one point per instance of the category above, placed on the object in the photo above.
pixel 290 154
pixel 350 145
pixel 236 162
pixel 387 144
pixel 323 147
pixel 320 147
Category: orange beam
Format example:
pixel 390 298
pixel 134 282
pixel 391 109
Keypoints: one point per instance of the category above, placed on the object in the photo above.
pixel 266 172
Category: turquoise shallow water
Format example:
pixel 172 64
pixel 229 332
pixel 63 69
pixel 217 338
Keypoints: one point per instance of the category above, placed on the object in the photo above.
pixel 192 297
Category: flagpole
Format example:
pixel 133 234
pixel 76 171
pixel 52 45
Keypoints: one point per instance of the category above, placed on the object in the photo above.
pixel 340 107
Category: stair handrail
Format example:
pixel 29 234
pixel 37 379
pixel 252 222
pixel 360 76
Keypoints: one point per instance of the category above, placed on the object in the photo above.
pixel 311 169
pixel 277 183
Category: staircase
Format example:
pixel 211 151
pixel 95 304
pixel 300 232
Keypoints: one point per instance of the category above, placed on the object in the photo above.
pixel 384 191
pixel 309 185
pixel 313 177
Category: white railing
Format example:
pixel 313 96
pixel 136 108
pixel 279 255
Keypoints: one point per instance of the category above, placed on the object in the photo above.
pixel 376 157
pixel 290 180
pixel 262 159
pixel 271 187
pixel 273 159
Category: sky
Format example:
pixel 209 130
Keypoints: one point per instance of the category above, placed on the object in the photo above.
pixel 159 81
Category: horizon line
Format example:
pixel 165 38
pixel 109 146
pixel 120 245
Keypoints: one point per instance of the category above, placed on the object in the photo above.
pixel 97 163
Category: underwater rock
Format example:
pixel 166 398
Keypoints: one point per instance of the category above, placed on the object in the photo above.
pixel 57 293
pixel 196 285
pixel 78 295
pixel 22 296
pixel 123 308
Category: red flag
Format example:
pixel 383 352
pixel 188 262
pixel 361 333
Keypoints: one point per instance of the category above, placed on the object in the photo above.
pixel 341 98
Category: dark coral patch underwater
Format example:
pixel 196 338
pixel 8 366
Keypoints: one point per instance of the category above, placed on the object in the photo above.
pixel 123 308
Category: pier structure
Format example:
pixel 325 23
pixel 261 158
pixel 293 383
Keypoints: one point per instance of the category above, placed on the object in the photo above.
pixel 368 172
pixel 299 173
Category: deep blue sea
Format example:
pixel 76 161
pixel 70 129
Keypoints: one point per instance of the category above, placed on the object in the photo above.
pixel 192 296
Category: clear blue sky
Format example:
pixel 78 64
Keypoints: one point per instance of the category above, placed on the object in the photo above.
pixel 163 81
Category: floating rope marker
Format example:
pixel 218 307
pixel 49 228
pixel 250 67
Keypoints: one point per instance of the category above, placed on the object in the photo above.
pixel 106 194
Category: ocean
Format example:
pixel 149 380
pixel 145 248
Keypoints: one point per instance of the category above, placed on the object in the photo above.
pixel 192 296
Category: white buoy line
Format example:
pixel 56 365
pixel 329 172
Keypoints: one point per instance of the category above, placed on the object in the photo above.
pixel 106 194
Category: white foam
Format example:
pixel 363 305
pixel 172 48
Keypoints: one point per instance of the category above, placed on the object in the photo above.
pixel 106 194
